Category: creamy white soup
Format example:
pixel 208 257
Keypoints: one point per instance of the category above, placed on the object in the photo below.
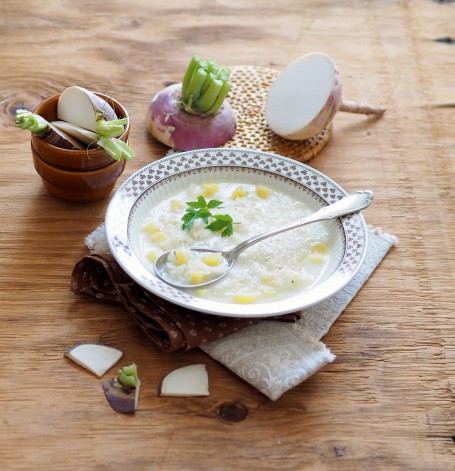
pixel 268 271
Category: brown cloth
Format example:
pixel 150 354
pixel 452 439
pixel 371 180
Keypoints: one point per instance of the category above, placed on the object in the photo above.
pixel 170 326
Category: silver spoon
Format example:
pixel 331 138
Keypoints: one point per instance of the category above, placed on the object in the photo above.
pixel 350 204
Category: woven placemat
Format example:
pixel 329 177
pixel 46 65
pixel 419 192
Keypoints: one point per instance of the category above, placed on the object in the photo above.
pixel 248 95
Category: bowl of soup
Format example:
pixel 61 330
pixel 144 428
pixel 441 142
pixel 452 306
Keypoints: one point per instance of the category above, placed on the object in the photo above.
pixel 217 198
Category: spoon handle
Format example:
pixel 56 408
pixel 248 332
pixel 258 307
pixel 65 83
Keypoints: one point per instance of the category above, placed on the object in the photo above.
pixel 352 203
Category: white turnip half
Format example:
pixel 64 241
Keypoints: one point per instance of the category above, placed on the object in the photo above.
pixel 189 380
pixel 83 108
pixel 95 358
pixel 82 134
pixel 305 97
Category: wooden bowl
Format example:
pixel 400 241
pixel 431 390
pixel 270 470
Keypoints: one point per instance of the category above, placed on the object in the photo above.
pixel 74 160
pixel 78 186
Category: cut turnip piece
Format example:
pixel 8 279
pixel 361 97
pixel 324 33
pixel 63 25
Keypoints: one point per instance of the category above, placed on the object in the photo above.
pixel 190 380
pixel 194 114
pixel 81 107
pixel 62 139
pixel 122 392
pixel 47 131
pixel 96 358
pixel 304 98
pixel 83 135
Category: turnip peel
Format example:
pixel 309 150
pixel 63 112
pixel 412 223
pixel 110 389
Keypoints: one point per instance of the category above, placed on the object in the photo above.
pixel 305 97
pixel 194 114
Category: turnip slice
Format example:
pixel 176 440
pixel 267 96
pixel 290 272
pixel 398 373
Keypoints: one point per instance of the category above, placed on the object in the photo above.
pixel 121 398
pixel 122 392
pixel 59 138
pixel 83 135
pixel 47 131
pixel 83 108
pixel 95 358
pixel 305 97
pixel 189 380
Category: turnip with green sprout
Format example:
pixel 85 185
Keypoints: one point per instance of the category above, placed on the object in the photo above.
pixel 194 114
pixel 85 120
pixel 122 391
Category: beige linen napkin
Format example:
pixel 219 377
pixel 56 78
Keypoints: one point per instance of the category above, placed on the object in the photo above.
pixel 272 356
pixel 275 358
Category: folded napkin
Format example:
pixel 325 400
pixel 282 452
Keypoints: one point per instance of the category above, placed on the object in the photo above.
pixel 170 326
pixel 272 356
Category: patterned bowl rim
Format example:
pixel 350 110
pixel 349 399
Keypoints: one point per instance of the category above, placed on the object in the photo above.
pixel 122 206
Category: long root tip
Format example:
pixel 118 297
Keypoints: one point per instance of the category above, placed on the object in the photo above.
pixel 361 108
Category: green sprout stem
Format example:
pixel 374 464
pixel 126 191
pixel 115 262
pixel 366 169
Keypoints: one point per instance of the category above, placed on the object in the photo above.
pixel 205 86
pixel 33 122
pixel 114 128
pixel 128 376
pixel 116 148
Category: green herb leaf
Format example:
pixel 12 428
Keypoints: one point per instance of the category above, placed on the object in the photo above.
pixel 200 203
pixel 221 221
pixel 214 204
pixel 200 209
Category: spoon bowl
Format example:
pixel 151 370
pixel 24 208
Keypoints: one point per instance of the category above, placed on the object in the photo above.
pixel 351 203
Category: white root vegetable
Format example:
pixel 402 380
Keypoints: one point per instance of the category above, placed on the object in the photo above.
pixel 189 380
pixel 305 97
pixel 83 135
pixel 81 107
pixel 95 358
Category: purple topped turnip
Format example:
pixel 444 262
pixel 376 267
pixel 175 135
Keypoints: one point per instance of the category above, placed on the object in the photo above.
pixel 305 97
pixel 194 114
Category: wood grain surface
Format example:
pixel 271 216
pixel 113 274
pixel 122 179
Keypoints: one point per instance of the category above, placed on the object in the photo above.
pixel 387 402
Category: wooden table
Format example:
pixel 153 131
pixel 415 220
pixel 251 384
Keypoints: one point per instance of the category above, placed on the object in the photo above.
pixel 387 402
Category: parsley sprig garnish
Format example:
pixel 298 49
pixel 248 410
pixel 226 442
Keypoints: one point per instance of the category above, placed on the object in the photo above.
pixel 200 209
